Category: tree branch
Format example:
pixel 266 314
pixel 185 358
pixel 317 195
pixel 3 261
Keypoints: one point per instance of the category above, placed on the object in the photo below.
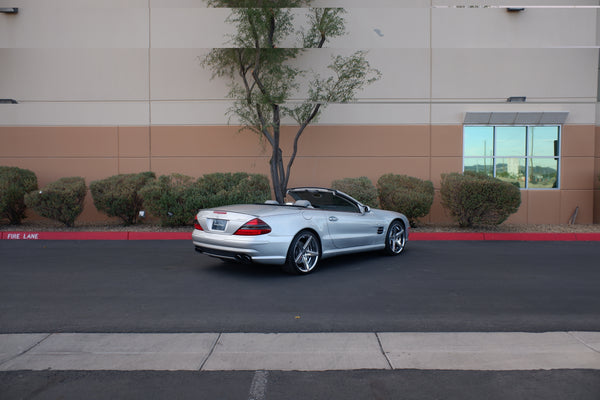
pixel 303 126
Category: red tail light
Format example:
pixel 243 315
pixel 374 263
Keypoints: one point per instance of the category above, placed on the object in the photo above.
pixel 254 227
pixel 197 225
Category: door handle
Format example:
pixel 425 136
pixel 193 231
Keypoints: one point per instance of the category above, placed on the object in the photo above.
pixel 333 219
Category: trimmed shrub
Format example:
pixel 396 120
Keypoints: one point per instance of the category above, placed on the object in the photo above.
pixel 478 199
pixel 61 200
pixel 362 189
pixel 406 194
pixel 252 188
pixel 219 189
pixel 174 198
pixel 14 184
pixel 117 196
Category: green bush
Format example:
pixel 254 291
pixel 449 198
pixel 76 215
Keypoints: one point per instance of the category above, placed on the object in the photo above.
pixel 14 184
pixel 174 198
pixel 219 189
pixel 411 196
pixel 118 195
pixel 478 199
pixel 61 200
pixel 362 189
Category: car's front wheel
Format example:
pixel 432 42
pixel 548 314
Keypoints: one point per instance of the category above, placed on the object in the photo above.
pixel 303 254
pixel 395 239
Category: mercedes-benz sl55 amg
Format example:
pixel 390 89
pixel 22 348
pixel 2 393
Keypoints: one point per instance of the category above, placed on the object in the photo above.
pixel 319 223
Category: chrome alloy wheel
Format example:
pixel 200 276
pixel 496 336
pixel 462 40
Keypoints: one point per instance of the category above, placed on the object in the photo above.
pixel 304 253
pixel 396 239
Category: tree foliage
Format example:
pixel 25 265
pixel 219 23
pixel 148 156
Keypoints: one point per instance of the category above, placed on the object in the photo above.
pixel 265 81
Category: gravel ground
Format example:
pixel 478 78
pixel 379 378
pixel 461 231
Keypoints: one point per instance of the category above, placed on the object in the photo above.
pixel 109 226
pixel 510 228
pixel 115 226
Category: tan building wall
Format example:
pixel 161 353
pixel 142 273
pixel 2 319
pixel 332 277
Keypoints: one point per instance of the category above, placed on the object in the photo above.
pixel 112 86
pixel 597 175
pixel 326 153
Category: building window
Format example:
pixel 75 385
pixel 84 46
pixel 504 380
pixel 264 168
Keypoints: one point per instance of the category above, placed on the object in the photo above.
pixel 525 155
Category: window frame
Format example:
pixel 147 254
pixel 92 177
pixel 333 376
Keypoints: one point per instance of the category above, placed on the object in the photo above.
pixel 527 157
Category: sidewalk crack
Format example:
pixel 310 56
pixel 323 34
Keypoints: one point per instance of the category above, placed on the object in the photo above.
pixel 27 350
pixel 383 351
pixel 573 335
pixel 212 349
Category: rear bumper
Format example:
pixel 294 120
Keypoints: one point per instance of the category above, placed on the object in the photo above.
pixel 227 255
pixel 263 249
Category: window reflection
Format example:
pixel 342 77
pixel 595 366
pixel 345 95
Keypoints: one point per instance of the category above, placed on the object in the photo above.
pixel 543 141
pixel 511 170
pixel 480 165
pixel 543 173
pixel 479 141
pixel 510 141
pixel 527 156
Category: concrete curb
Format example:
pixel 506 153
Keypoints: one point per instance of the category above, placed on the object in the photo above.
pixel 300 351
pixel 95 235
pixel 530 236
pixel 476 236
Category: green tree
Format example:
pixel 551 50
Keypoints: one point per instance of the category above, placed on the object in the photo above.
pixel 262 69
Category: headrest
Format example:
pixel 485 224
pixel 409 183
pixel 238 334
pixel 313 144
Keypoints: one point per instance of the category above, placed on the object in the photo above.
pixel 302 203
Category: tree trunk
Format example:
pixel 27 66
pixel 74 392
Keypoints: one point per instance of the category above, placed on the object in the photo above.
pixel 277 178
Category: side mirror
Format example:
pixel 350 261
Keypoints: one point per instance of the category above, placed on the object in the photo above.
pixel 366 209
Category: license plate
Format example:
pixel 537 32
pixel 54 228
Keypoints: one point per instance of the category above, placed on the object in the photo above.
pixel 219 224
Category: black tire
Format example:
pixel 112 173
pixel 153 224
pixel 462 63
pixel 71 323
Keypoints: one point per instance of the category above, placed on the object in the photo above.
pixel 395 239
pixel 304 254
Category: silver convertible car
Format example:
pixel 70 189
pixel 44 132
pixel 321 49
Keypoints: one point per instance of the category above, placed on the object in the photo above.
pixel 319 223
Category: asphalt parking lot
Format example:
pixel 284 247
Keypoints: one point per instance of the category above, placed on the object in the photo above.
pixel 92 292
pixel 166 287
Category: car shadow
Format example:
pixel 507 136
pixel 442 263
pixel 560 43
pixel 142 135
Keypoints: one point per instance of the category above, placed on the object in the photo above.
pixel 349 261
pixel 335 264
pixel 250 270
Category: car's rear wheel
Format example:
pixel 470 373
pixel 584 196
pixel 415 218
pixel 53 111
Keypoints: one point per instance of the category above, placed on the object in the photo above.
pixel 395 239
pixel 303 254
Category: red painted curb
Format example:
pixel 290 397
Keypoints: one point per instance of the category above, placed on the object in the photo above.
pixel 588 236
pixel 563 237
pixel 160 235
pixel 64 235
pixel 446 236
pixel 476 236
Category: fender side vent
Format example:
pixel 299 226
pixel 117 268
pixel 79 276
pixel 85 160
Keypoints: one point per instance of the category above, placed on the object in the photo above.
pixel 379 230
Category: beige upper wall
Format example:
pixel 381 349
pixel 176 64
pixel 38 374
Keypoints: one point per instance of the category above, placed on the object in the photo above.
pixel 562 74
pixel 131 24
pixel 86 62
pixel 46 74
pixel 497 28
pixel 41 24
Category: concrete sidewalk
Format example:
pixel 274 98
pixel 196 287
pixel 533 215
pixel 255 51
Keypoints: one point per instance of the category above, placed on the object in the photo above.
pixel 300 351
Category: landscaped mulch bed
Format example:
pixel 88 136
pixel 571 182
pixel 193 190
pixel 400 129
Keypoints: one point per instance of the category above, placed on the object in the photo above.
pixel 116 226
